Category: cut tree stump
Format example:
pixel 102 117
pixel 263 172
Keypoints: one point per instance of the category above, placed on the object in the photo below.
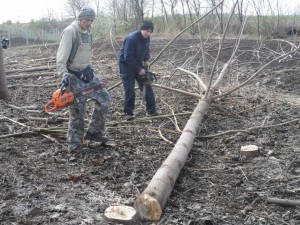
pixel 121 214
pixel 249 151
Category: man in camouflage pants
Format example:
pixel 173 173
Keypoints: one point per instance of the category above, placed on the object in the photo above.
pixel 73 64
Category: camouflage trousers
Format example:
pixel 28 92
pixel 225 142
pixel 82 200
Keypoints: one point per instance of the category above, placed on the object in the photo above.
pixel 77 110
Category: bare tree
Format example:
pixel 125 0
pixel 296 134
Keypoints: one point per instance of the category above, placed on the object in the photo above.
pixel 172 4
pixel 258 17
pixel 240 9
pixel 97 4
pixel 73 6
pixel 138 10
pixel 3 84
pixel 219 13
pixel 164 13
pixel 190 15
pixel 183 12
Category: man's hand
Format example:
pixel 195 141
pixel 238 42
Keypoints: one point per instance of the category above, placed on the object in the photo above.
pixel 147 64
pixel 142 72
pixel 65 81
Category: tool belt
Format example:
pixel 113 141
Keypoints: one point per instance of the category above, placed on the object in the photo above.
pixel 86 75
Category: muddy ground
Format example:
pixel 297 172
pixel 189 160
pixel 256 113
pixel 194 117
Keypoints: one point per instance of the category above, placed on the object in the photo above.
pixel 41 183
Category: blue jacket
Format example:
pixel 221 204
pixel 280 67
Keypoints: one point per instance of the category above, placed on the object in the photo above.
pixel 134 52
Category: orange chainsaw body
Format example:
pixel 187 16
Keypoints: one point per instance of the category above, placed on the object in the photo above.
pixel 60 98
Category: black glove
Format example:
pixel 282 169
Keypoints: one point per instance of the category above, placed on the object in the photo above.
pixel 151 76
pixel 65 81
pixel 147 78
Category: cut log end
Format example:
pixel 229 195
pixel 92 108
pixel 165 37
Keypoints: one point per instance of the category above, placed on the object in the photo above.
pixel 249 151
pixel 120 214
pixel 148 208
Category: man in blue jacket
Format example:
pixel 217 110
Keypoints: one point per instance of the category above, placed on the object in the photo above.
pixel 133 63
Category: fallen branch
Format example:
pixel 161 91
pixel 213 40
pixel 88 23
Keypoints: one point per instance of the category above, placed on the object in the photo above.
pixel 14 121
pixel 31 69
pixel 178 90
pixel 21 107
pixel 203 87
pixel 248 130
pixel 32 85
pixel 30 75
pixel 284 202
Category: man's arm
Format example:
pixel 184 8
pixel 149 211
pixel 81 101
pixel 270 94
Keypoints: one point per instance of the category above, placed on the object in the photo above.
pixel 147 55
pixel 64 51
pixel 129 53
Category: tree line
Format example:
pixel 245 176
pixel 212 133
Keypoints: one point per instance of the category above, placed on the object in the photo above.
pixel 264 18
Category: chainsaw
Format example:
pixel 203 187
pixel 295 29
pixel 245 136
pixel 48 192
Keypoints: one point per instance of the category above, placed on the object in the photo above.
pixel 64 96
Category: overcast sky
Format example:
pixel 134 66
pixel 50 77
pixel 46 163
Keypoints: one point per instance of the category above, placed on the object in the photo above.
pixel 26 10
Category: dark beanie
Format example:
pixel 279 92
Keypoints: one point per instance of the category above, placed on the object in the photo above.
pixel 147 25
pixel 87 13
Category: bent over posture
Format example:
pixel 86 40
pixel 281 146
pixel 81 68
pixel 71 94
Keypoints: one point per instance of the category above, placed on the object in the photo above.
pixel 133 64
pixel 74 65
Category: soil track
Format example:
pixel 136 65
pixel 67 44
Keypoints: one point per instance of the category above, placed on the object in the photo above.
pixel 41 183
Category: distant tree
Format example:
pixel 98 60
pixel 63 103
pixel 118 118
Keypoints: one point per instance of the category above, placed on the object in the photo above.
pixel 8 22
pixel 3 85
pixel 97 4
pixel 73 7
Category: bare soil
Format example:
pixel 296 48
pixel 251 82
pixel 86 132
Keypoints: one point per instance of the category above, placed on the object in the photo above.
pixel 41 183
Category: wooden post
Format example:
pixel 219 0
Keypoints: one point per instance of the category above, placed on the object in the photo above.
pixel 3 84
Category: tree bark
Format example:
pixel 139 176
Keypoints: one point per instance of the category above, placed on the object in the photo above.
pixel 3 84
pixel 150 203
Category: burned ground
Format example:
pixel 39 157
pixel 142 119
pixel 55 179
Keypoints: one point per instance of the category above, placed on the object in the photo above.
pixel 41 183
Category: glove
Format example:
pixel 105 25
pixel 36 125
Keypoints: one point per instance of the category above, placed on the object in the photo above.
pixel 151 76
pixel 65 81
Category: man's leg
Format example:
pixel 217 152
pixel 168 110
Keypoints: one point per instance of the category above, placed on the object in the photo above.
pixel 97 123
pixel 76 124
pixel 149 97
pixel 129 96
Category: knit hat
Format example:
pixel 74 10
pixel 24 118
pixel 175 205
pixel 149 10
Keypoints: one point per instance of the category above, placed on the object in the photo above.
pixel 87 13
pixel 147 25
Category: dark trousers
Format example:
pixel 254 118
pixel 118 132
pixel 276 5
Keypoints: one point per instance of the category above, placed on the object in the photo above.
pixel 129 98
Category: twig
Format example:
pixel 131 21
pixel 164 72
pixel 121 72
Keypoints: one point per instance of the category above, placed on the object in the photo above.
pixel 16 134
pixel 201 83
pixel 249 129
pixel 178 90
pixel 21 107
pixel 165 139
pixel 50 138
pixel 188 27
pixel 243 173
pixel 16 122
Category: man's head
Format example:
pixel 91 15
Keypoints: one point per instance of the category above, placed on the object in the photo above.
pixel 86 17
pixel 147 28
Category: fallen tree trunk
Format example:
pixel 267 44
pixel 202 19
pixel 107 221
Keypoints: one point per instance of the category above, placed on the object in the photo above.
pixel 150 203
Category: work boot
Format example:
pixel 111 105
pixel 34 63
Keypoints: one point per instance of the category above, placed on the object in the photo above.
pixel 155 113
pixel 99 138
pixel 128 117
pixel 79 149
